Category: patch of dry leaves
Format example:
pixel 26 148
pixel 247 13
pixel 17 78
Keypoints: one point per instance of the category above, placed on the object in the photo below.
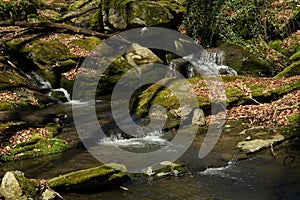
pixel 201 89
pixel 71 75
pixel 22 136
pixel 67 40
pixel 6 95
pixel 270 115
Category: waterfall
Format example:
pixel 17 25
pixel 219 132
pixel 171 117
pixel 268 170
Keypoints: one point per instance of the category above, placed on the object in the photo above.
pixel 205 63
pixel 210 62
pixel 39 81
pixel 66 93
pixel 43 84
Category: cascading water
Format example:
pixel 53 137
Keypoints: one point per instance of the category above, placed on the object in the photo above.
pixel 37 80
pixel 205 63
pixel 210 63
pixel 66 93
pixel 45 85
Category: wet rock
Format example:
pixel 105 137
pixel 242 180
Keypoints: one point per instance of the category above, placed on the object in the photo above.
pixel 131 13
pixel 198 117
pixel 253 146
pixel 164 169
pixel 16 186
pixel 59 95
pixel 97 177
pixel 141 55
pixel 185 68
pixel 48 195
pixel 183 111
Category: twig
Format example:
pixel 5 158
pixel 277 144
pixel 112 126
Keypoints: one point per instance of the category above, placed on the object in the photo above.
pixel 272 150
pixel 247 91
pixel 284 108
pixel 77 65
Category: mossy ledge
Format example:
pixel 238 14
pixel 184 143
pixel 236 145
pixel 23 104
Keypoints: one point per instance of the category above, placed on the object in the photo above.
pixel 37 146
pixel 101 176
pixel 157 94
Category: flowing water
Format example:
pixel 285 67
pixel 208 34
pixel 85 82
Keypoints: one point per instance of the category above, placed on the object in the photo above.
pixel 259 177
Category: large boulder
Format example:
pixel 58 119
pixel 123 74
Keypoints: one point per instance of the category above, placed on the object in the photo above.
pixel 97 177
pixel 141 55
pixel 131 13
pixel 120 15
pixel 16 186
pixel 253 146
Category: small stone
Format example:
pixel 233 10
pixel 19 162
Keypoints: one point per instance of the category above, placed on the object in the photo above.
pixel 48 195
pixel 198 117
pixel 248 138
pixel 228 126
pixel 162 174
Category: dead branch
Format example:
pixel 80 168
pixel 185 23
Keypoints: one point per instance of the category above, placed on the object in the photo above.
pixel 74 14
pixel 55 27
pixel 285 108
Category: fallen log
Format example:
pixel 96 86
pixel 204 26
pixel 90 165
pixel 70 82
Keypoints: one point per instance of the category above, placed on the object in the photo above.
pixel 56 26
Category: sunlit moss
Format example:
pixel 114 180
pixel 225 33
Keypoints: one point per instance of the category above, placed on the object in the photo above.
pixel 29 186
pixel 103 174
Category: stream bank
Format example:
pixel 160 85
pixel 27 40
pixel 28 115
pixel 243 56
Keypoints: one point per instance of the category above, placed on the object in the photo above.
pixel 38 135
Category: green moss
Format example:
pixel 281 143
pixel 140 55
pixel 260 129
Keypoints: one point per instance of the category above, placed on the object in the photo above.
pixel 113 73
pixel 11 79
pixel 50 52
pixel 172 167
pixel 149 13
pixel 29 186
pixel 52 128
pixel 292 70
pixel 36 147
pixel 295 56
pixel 277 45
pixel 292 130
pixel 157 94
pixel 286 88
pixel 51 15
pixel 89 43
pixel 294 119
pixel 257 89
pixel 5 105
pixel 120 7
pixel 78 4
pixel 14 44
pixel 59 95
pixel 16 106
pixel 104 174
pixel 234 96
pixel 67 84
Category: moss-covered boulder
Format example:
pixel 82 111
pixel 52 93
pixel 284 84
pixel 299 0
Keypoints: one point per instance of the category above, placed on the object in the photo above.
pixel 97 177
pixel 54 54
pixel 292 70
pixel 130 13
pixel 239 90
pixel 15 185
